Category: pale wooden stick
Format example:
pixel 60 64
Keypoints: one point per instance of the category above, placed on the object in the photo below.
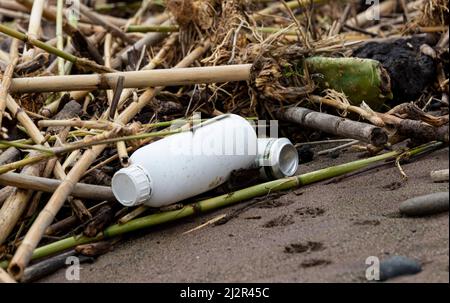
pixel 34 26
pixel 336 125
pixel 15 205
pixel 5 192
pixel 32 130
pixel 50 10
pixel 369 15
pixel 9 155
pixel 13 5
pixel 6 81
pixel 14 14
pixel 24 252
pixel 5 277
pixel 138 79
pixel 77 122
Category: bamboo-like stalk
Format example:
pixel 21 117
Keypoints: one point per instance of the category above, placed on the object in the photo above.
pixel 152 28
pixel 81 190
pixel 34 26
pixel 219 202
pixel 81 62
pixel 133 214
pixel 75 133
pixel 31 128
pixel 5 192
pixel 59 34
pixel 14 6
pixel 175 28
pixel 139 13
pixel 335 125
pixel 9 155
pixel 50 12
pixel 102 139
pixel 369 15
pixel 13 14
pixel 4 56
pixel 7 76
pixel 139 79
pixel 77 122
pixel 5 277
pixel 16 204
pixel 24 252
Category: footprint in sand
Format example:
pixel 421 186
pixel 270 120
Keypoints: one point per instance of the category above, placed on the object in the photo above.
pixel 309 212
pixel 283 220
pixel 307 247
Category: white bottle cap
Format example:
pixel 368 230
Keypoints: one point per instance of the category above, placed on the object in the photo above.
pixel 131 185
pixel 278 158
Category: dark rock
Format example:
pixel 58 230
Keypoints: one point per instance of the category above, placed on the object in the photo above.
pixel 398 266
pixel 305 154
pixel 411 71
pixel 426 205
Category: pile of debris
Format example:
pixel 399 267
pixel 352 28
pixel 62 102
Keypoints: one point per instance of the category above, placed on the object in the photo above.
pixel 84 86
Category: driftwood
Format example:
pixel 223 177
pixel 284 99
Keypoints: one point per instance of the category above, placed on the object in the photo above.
pixel 51 265
pixel 81 190
pixel 94 249
pixel 335 125
pixel 102 218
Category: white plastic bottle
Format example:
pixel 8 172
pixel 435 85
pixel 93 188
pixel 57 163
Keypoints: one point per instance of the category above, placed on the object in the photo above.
pixel 190 163
pixel 187 164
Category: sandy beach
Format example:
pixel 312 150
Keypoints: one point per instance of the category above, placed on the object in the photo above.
pixel 321 233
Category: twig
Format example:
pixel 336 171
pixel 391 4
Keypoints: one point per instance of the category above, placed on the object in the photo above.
pixel 82 62
pixel 332 150
pixel 94 17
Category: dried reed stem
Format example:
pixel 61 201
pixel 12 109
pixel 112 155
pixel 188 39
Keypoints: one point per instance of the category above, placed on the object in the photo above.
pixel 34 26
pixel 137 79
pixel 7 76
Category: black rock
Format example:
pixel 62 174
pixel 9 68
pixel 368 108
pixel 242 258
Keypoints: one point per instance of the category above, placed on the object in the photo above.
pixel 305 154
pixel 411 71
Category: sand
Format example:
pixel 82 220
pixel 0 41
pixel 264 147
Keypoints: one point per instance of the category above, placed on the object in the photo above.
pixel 323 233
